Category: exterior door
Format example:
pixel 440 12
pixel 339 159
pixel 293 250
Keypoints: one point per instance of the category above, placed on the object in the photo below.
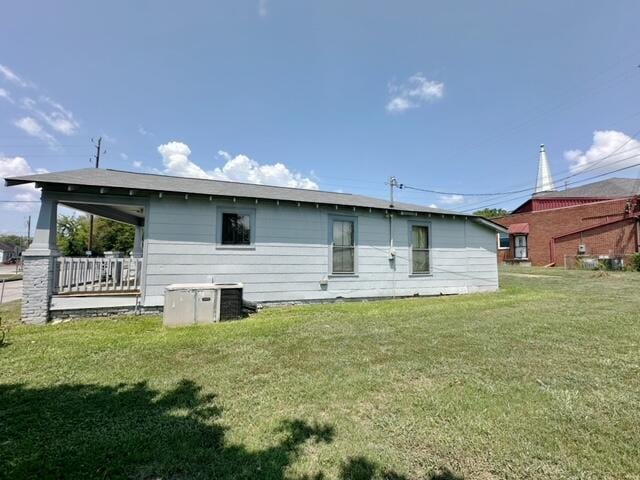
pixel 520 249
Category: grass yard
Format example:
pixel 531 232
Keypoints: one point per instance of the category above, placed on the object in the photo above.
pixel 540 380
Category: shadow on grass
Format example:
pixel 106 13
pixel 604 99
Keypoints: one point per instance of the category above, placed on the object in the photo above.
pixel 132 431
pixel 359 468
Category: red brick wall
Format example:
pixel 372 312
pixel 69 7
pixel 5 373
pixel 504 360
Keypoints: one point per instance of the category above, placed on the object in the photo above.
pixel 546 224
pixel 616 239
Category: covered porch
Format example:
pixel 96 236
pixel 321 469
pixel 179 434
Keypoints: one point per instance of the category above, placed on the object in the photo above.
pixel 56 283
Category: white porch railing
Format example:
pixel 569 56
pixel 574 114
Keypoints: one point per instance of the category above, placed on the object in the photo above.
pixel 97 274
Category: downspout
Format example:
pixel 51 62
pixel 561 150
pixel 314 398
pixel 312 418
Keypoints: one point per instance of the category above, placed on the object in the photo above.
pixel 392 256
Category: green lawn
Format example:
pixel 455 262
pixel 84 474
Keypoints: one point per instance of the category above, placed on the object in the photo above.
pixel 540 380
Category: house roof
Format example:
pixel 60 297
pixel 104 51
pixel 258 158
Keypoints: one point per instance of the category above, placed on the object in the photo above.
pixel 603 190
pixel 107 178
pixel 6 247
pixel 92 177
pixel 609 188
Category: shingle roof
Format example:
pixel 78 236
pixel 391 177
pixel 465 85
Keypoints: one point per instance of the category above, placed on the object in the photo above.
pixel 610 188
pixel 93 177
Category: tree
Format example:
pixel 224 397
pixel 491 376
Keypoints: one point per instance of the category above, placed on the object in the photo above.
pixel 73 235
pixel 14 241
pixel 113 236
pixel 109 235
pixel 491 212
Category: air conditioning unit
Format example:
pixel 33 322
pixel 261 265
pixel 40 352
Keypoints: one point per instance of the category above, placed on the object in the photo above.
pixel 582 249
pixel 199 303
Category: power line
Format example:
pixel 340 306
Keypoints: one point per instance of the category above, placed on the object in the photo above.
pixel 592 167
pixel 481 206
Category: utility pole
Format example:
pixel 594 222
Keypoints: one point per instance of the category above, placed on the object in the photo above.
pixel 28 230
pixel 393 183
pixel 90 242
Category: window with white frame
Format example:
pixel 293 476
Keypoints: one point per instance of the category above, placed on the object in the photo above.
pixel 420 261
pixel 343 246
pixel 503 241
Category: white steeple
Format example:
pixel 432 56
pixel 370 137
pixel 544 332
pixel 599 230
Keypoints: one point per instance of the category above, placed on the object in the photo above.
pixel 544 183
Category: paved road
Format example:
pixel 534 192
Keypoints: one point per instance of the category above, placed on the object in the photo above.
pixel 12 291
pixel 7 269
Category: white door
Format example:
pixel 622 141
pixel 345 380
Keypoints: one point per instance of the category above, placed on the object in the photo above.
pixel 520 246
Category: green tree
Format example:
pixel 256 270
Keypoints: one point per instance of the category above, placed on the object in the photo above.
pixel 14 240
pixel 73 235
pixel 108 235
pixel 491 212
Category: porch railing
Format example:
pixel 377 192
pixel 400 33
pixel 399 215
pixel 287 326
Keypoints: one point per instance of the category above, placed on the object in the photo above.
pixel 97 274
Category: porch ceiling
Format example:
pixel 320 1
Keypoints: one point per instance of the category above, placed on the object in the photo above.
pixel 131 214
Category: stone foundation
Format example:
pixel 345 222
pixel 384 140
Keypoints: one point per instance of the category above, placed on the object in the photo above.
pixel 37 288
pixel 69 314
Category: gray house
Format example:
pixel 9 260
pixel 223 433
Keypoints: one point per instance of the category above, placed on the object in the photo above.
pixel 7 253
pixel 283 244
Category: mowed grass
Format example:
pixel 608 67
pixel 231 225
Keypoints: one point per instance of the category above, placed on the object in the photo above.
pixel 539 380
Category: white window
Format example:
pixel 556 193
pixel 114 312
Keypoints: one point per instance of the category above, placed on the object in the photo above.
pixel 420 255
pixel 503 241
pixel 520 250
pixel 343 245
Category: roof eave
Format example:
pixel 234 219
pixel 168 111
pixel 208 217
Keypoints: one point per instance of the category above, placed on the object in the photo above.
pixel 490 224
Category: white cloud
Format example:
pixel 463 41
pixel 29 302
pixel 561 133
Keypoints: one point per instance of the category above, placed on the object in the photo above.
pixel 175 157
pixel 12 77
pixel 454 199
pixel 124 156
pixel 609 150
pixel 31 126
pixel 17 166
pixel 137 164
pixel 6 95
pixel 54 114
pixel 239 168
pixel 51 116
pixel 433 205
pixel 263 8
pixel 416 91
pixel 144 132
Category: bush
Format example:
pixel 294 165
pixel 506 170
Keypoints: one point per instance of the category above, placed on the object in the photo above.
pixel 635 262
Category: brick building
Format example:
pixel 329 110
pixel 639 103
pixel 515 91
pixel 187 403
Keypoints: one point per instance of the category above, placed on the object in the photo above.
pixel 600 218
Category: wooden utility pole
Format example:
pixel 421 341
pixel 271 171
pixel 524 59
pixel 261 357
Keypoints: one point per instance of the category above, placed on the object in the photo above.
pixel 90 241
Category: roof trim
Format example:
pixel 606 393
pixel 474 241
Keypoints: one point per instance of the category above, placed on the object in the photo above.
pixel 489 223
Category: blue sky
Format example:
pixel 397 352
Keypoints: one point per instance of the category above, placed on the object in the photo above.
pixel 343 94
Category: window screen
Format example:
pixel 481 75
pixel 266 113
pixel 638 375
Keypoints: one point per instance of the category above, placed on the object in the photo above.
pixel 236 229
pixel 420 249
pixel 343 247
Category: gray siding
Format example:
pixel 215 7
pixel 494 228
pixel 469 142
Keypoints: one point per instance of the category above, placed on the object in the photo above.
pixel 290 255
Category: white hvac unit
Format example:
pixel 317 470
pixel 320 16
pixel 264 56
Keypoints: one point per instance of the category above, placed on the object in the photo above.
pixel 195 303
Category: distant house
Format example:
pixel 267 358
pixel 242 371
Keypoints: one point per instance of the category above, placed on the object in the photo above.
pixel 598 219
pixel 7 252
pixel 283 244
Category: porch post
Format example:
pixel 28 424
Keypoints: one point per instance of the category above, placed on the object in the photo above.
pixel 38 264
pixel 137 242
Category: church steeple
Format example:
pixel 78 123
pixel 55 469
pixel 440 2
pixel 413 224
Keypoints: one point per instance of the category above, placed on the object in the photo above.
pixel 544 183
